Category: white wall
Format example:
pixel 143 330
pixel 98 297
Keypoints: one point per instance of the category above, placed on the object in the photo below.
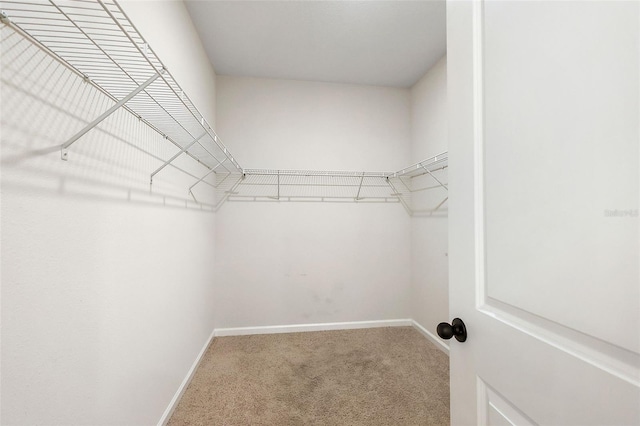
pixel 429 235
pixel 107 290
pixel 291 263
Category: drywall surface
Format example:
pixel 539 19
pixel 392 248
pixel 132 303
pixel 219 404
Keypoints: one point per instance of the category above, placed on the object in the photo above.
pixel 280 263
pixel 107 288
pixel 429 235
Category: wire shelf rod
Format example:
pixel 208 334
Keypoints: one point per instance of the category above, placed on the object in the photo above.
pixel 405 184
pixel 328 199
pixel 317 185
pixel 400 198
pixel 436 159
pixel 182 151
pixel 360 187
pixel 7 21
pixel 115 59
pixel 227 193
pixel 426 188
pixel 441 203
pixel 417 175
pixel 311 173
pixel 222 181
pixel 180 98
pixel 435 178
pixel 105 114
pixel 83 32
pixel 213 156
pixel 207 174
pixel 98 42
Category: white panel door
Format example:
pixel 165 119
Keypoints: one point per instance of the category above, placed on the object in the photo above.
pixel 544 155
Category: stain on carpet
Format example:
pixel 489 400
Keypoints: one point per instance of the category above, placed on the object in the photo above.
pixel 377 376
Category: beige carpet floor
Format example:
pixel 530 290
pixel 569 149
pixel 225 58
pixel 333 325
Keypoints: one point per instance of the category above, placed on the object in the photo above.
pixel 379 376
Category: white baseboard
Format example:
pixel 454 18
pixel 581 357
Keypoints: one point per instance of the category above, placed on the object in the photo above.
pixel 297 328
pixel 426 333
pixel 183 386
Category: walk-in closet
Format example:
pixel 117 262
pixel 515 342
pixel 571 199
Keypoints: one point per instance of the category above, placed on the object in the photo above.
pixel 319 212
pixel 156 204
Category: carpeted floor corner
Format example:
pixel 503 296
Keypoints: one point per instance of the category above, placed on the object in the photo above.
pixel 378 376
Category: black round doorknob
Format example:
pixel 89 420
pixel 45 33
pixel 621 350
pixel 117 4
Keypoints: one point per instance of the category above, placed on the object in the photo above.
pixel 455 329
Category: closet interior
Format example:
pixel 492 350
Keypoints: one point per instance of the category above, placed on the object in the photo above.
pixel 136 236
pixel 96 41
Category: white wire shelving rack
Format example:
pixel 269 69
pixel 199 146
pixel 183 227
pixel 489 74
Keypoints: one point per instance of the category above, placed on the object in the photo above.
pixel 413 181
pixel 403 186
pixel 97 41
pixel 313 185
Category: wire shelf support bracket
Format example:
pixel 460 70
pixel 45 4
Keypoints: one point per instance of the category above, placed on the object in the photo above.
pixel 97 42
pixel 407 183
pixel 313 186
pixel 178 154
pixel 65 146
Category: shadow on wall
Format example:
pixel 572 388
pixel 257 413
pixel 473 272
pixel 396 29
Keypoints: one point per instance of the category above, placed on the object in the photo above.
pixel 432 199
pixel 44 104
pixel 430 213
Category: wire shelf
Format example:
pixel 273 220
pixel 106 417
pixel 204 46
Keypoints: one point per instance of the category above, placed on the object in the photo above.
pixel 96 40
pixel 313 185
pixel 412 184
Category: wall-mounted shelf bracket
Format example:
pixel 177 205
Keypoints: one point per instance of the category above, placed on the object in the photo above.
pixel 360 187
pixel 220 189
pixel 441 203
pixel 434 178
pixel 278 196
pixel 65 146
pixel 179 153
pixel 410 181
pixel 312 186
pixel 97 42
pixel 202 179
pixel 399 195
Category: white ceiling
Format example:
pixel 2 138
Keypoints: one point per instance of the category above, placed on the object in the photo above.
pixel 383 43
